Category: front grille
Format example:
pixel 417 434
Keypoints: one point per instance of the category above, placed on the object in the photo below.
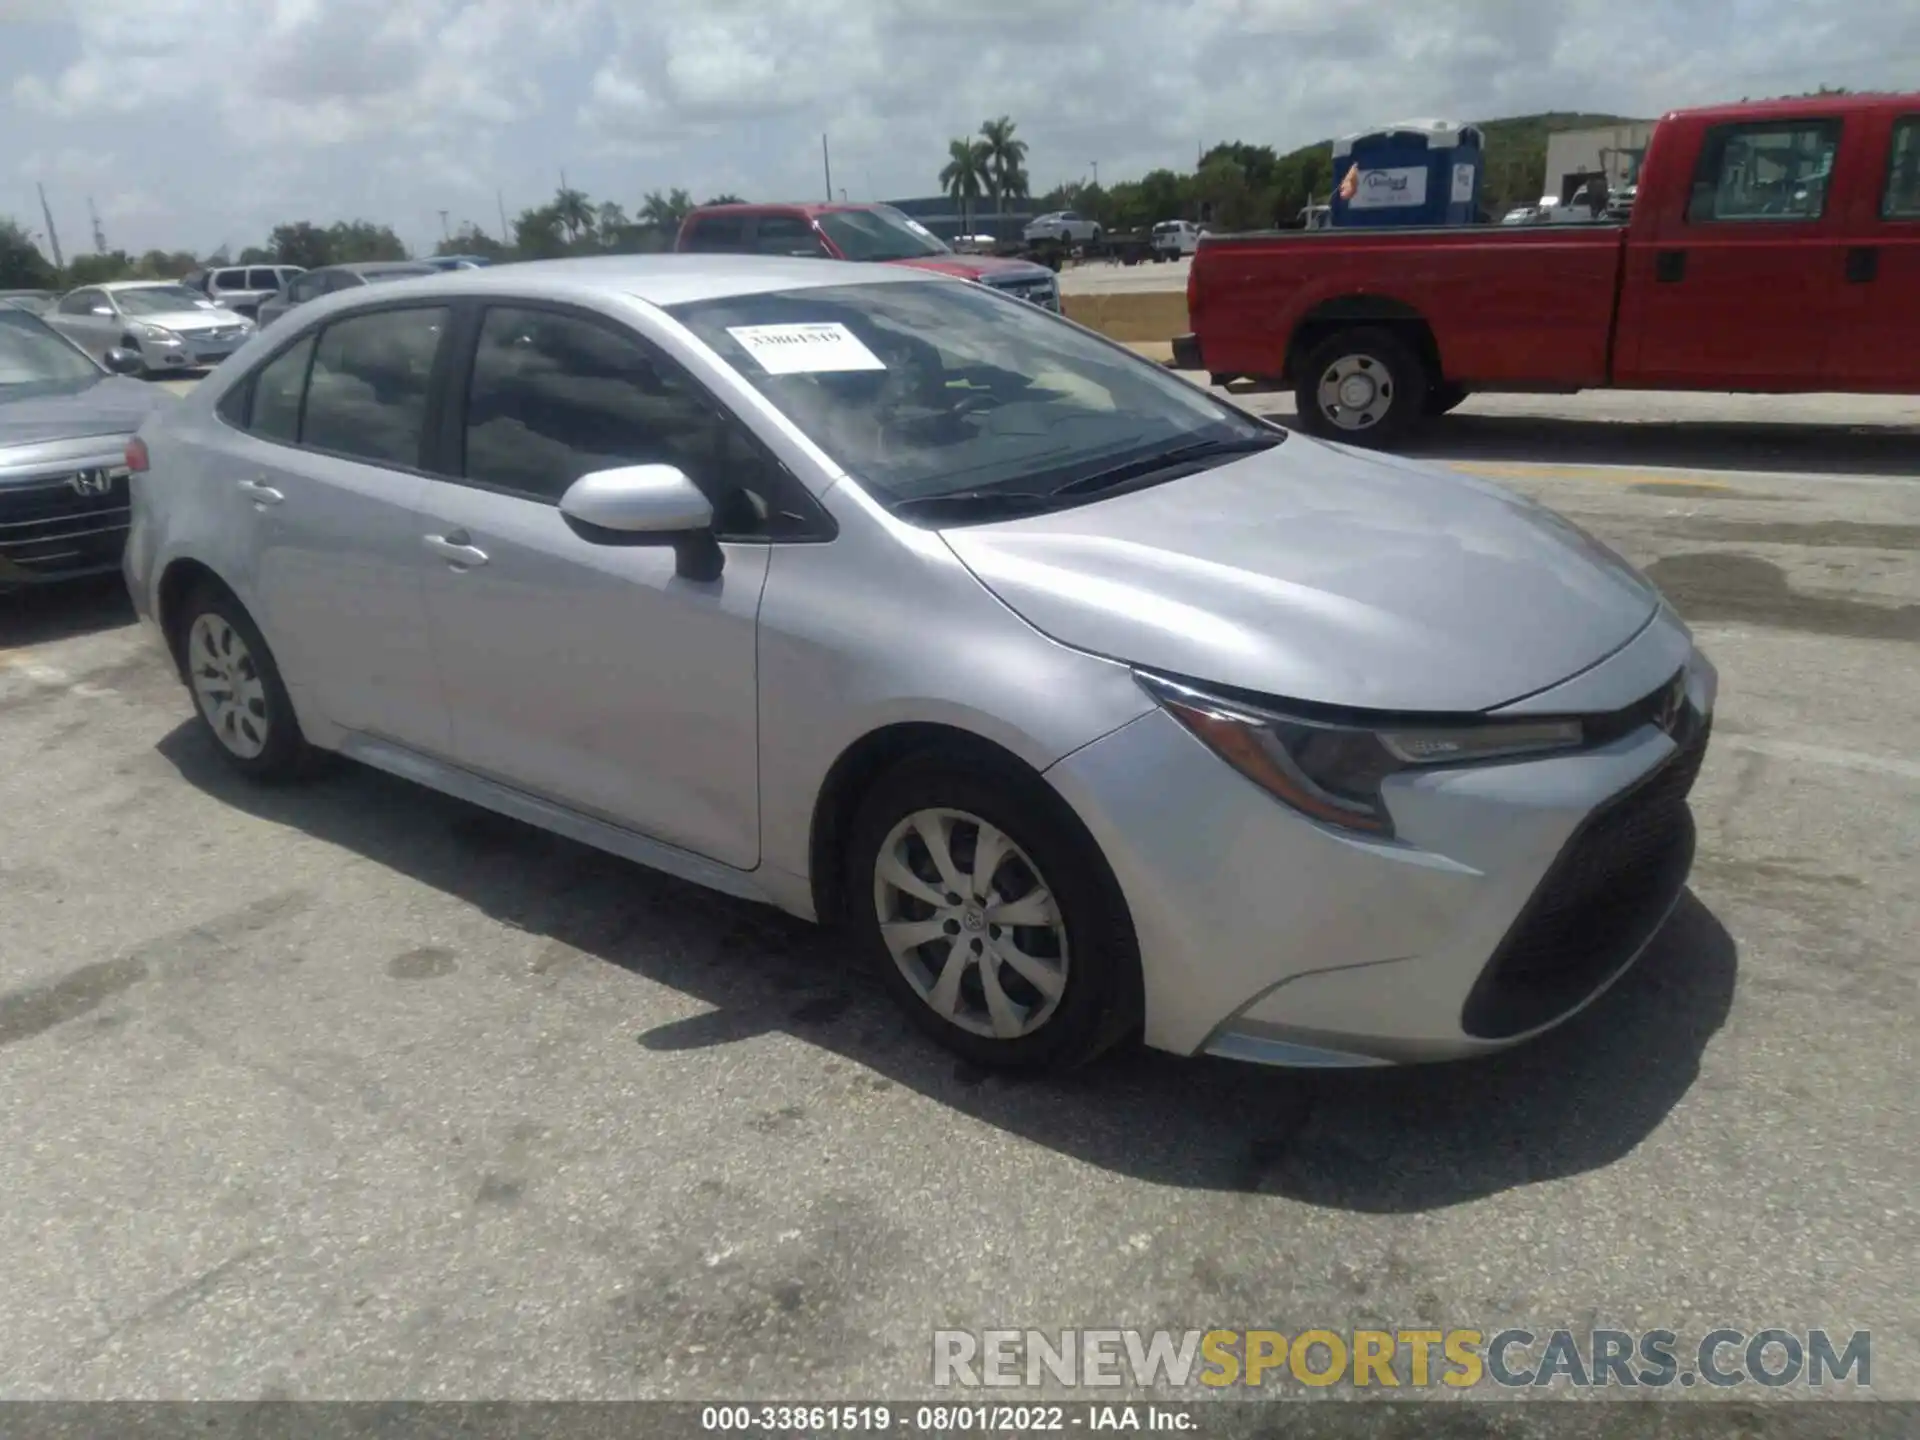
pixel 49 529
pixel 1600 902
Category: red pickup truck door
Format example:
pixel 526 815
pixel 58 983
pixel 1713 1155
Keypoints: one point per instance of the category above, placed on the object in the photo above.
pixel 1879 341
pixel 1736 281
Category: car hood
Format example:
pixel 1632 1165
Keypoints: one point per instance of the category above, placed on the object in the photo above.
pixel 111 405
pixel 974 267
pixel 1315 572
pixel 188 321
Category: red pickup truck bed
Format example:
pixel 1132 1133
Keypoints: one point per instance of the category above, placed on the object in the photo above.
pixel 1772 247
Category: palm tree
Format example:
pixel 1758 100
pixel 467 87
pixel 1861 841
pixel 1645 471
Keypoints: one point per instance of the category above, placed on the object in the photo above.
pixel 965 175
pixel 1006 157
pixel 574 211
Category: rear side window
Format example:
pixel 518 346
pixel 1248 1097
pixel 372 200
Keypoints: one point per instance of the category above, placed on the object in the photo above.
pixel 81 302
pixel 1773 170
pixel 230 279
pixel 273 409
pixel 1902 198
pixel 718 234
pixel 367 393
pixel 785 235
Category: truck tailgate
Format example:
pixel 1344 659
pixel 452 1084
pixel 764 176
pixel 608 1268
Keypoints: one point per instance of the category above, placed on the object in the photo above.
pixel 1519 305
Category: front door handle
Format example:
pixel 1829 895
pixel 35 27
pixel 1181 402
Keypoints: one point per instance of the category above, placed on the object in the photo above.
pixel 260 494
pixel 455 550
pixel 1670 266
pixel 1863 265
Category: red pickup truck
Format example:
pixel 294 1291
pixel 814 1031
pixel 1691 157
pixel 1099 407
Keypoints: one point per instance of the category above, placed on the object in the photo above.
pixel 876 233
pixel 1772 247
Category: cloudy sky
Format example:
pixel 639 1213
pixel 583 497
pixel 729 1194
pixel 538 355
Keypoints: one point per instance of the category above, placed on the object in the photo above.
pixel 192 123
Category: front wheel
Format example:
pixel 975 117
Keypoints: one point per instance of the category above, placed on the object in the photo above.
pixel 991 916
pixel 1363 386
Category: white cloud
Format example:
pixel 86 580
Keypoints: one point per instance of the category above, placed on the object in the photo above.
pixel 230 115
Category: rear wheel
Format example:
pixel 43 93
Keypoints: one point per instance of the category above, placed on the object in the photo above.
pixel 237 690
pixel 991 915
pixel 1363 386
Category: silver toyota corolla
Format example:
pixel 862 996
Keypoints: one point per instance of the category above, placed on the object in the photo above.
pixel 1089 704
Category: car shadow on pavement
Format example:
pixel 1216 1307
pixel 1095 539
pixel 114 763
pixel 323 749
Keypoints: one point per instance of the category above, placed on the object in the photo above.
pixel 40 614
pixel 1388 1140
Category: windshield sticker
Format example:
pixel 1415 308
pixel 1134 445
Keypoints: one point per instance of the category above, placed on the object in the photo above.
pixel 821 349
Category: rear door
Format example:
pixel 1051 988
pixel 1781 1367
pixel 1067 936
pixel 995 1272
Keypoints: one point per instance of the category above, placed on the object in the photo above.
pixel 1880 348
pixel 328 473
pixel 1738 286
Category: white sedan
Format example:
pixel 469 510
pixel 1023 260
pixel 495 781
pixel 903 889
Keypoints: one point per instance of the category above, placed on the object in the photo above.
pixel 168 325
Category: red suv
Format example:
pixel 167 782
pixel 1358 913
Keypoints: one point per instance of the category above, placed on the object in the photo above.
pixel 872 233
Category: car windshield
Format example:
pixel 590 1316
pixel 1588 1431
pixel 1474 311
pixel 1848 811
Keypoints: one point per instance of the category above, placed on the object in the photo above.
pixel 940 388
pixel 161 300
pixel 879 234
pixel 34 359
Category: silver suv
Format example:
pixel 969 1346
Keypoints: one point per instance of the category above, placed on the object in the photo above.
pixel 241 288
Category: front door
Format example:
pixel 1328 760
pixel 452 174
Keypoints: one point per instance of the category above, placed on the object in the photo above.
pixel 1739 290
pixel 586 673
pixel 328 473
pixel 87 318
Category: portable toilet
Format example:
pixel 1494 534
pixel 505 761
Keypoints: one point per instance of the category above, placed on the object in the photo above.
pixel 1418 172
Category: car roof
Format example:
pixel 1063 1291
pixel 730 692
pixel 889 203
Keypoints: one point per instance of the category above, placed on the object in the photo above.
pixel 668 279
pixel 804 207
pixel 380 267
pixel 1802 105
pixel 130 285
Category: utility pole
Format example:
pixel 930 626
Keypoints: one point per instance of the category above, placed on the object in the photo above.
pixel 445 234
pixel 53 236
pixel 99 235
pixel 827 165
pixel 500 199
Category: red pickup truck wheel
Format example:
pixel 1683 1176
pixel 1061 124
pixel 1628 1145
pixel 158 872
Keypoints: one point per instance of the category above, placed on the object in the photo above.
pixel 1361 386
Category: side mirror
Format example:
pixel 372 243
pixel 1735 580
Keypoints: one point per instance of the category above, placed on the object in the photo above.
pixel 123 362
pixel 647 505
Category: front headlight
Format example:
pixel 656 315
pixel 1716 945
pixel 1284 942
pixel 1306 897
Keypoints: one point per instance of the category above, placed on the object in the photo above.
pixel 160 333
pixel 1332 771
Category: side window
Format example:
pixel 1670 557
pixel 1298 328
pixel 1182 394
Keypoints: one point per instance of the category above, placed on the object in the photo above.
pixel 554 397
pixel 262 280
pixel 230 279
pixel 1902 198
pixel 367 396
pixel 341 280
pixel 1775 170
pixel 80 302
pixel 273 404
pixel 723 234
pixel 785 235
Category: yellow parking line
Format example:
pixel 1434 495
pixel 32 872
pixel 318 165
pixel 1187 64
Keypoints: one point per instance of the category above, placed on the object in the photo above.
pixel 1607 474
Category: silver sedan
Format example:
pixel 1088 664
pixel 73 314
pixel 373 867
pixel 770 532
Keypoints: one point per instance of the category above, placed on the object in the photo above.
pixel 1089 705
pixel 170 327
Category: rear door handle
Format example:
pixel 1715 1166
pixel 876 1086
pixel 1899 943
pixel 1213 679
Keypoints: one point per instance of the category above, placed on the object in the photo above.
pixel 454 549
pixel 1670 266
pixel 1863 265
pixel 260 494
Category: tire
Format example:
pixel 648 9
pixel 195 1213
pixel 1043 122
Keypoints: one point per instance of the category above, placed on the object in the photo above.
pixel 129 342
pixel 1085 946
pixel 1442 398
pixel 1393 404
pixel 221 653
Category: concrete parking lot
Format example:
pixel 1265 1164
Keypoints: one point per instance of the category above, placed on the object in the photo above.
pixel 353 1091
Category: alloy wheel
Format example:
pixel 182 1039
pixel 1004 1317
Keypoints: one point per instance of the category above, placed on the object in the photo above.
pixel 1356 392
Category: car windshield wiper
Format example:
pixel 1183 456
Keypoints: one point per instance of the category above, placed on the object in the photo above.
pixel 972 502
pixel 1166 459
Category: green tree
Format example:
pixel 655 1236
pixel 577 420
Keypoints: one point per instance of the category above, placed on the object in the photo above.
pixel 98 269
pixel 301 243
pixel 256 255
pixel 663 214
pixel 574 211
pixel 357 240
pixel 172 264
pixel 726 197
pixel 22 266
pixel 1005 162
pixel 470 239
pixel 965 175
pixel 538 234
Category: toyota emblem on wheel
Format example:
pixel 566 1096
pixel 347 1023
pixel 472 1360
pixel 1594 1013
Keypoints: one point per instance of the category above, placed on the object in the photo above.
pixel 91 482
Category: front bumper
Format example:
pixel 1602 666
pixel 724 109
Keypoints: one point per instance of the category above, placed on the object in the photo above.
pixel 188 351
pixel 1513 895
